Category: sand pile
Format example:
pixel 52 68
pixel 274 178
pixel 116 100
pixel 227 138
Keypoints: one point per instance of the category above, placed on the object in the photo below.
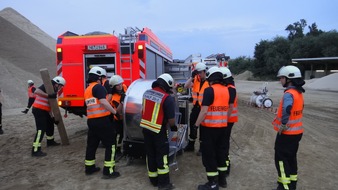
pixel 244 76
pixel 328 82
pixel 23 53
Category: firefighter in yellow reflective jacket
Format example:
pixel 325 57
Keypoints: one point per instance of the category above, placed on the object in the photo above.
pixel 100 127
pixel 213 120
pixel 288 123
pixel 158 111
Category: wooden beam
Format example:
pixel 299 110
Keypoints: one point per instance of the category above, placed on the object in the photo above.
pixel 54 106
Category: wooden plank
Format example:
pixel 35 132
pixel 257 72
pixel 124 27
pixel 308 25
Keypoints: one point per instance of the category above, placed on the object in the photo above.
pixel 54 106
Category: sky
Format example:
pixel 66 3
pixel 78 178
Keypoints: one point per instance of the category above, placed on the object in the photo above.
pixel 186 26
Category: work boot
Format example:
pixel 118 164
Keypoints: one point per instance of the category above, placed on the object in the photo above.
pixel 111 176
pixel 154 181
pixel 209 186
pixel 91 170
pixel 39 154
pixel 1 131
pixel 190 147
pixel 222 181
pixel 25 111
pixel 293 185
pixel 108 175
pixel 52 143
pixel 168 186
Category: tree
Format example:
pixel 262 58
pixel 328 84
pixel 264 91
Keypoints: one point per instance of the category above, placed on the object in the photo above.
pixel 240 64
pixel 270 56
pixel 296 30
pixel 314 31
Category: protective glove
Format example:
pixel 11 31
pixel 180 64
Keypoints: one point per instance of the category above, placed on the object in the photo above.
pixel 52 96
pixel 56 122
pixel 123 95
pixel 173 128
pixel 282 128
pixel 194 73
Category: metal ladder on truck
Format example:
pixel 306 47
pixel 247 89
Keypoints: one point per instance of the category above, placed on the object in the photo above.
pixel 127 41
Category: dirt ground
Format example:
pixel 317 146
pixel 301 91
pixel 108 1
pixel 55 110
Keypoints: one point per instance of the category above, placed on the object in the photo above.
pixel 251 151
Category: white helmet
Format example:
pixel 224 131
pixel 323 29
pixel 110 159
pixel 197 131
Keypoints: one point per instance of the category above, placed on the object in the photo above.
pixel 30 82
pixel 97 71
pixel 104 72
pixel 168 79
pixel 211 73
pixel 115 80
pixel 289 72
pixel 59 80
pixel 226 72
pixel 200 66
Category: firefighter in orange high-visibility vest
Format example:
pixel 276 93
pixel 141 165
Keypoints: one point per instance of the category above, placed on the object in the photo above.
pixel 44 118
pixel 158 112
pixel 31 96
pixel 118 90
pixel 197 83
pixel 288 124
pixel 212 120
pixel 100 126
pixel 228 81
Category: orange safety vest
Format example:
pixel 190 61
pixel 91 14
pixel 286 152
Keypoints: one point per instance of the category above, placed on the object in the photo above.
pixel 152 111
pixel 30 92
pixel 234 114
pixel 217 115
pixel 116 97
pixel 41 103
pixel 197 92
pixel 94 108
pixel 295 121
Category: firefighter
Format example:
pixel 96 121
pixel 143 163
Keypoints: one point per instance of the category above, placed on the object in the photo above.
pixel 228 81
pixel 118 94
pixel 158 111
pixel 1 100
pixel 198 83
pixel 288 123
pixel 44 118
pixel 31 96
pixel 212 121
pixel 100 127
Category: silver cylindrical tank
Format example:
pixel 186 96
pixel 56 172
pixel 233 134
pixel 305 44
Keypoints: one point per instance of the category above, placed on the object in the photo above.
pixel 132 108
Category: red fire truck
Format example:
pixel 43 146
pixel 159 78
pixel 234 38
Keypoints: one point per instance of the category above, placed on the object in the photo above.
pixel 136 54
